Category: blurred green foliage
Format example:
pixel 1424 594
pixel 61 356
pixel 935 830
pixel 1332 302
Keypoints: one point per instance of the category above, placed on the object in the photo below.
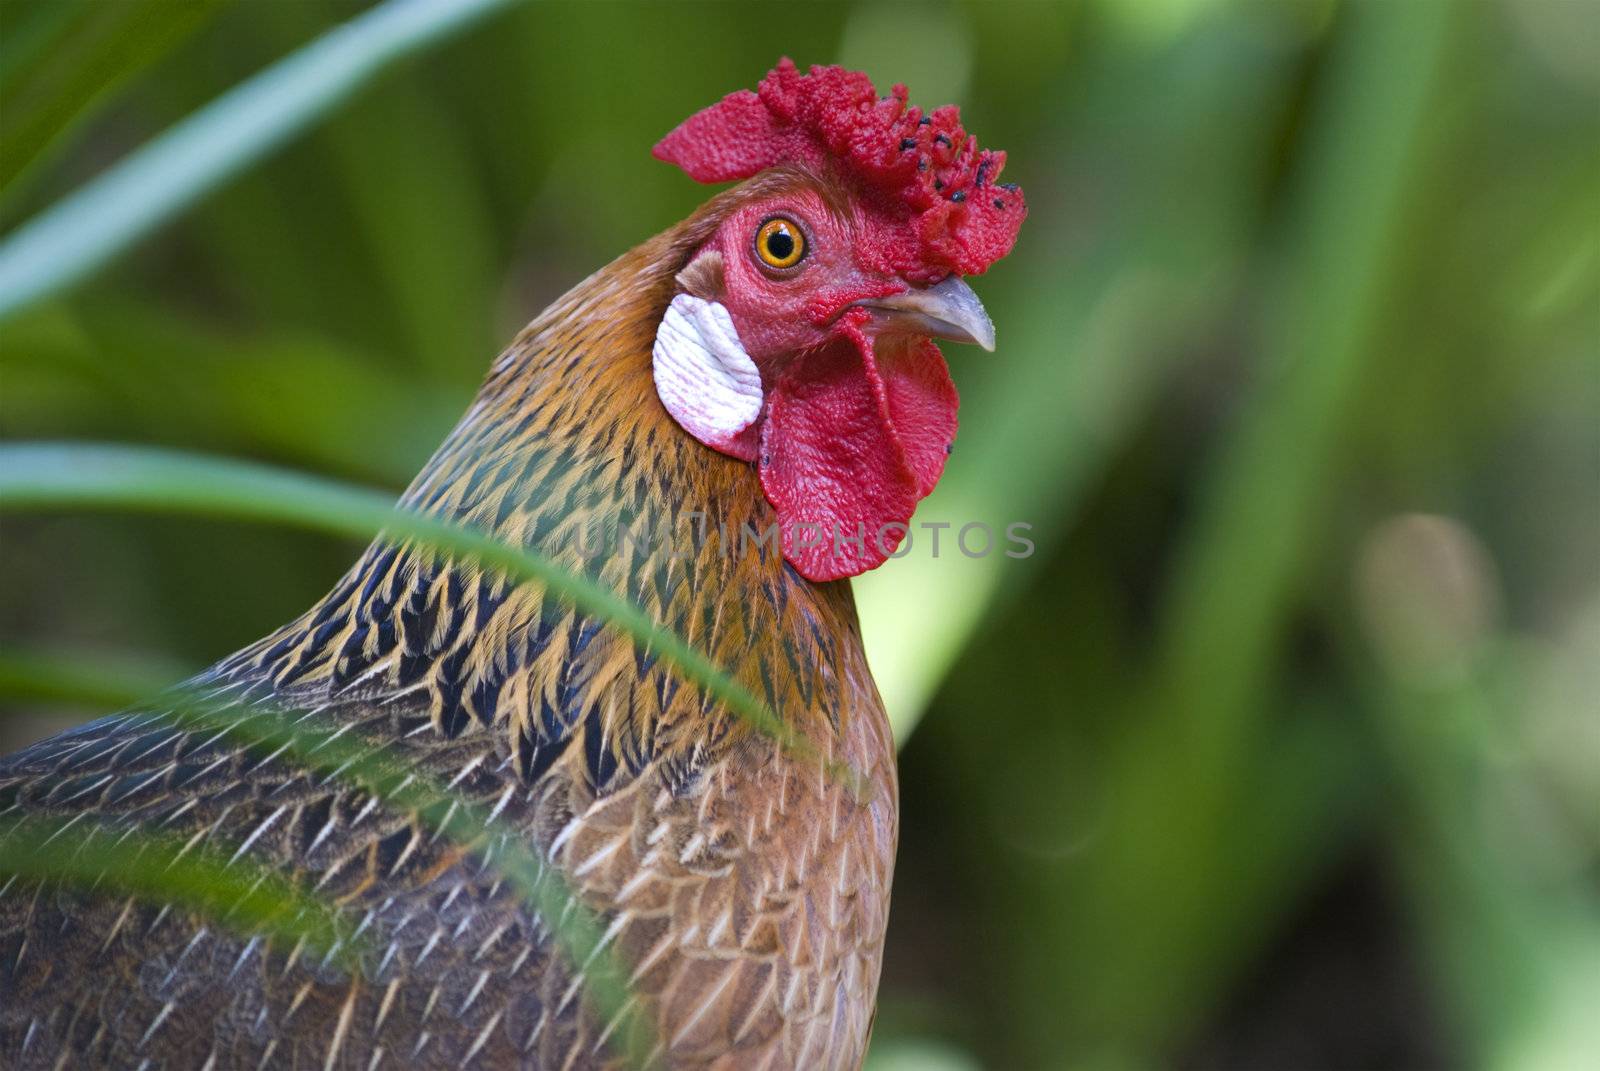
pixel 59 60
pixel 1283 750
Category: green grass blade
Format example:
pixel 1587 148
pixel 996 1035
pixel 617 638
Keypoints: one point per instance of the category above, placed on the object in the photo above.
pixel 47 677
pixel 43 476
pixel 89 227
pixel 159 869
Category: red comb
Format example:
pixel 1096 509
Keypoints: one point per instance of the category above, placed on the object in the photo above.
pixel 923 172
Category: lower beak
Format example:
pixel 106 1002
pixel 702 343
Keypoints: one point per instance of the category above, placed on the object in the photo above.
pixel 948 309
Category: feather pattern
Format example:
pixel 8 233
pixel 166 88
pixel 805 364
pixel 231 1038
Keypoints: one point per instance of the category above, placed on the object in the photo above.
pixel 745 891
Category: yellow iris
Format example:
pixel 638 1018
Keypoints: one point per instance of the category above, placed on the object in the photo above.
pixel 780 243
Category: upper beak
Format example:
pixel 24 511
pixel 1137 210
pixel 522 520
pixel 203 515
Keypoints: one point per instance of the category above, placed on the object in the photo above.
pixel 948 309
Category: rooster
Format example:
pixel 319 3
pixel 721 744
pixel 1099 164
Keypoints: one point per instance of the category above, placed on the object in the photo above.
pixel 757 392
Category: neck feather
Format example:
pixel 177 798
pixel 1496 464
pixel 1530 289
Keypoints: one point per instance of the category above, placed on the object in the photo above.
pixel 567 451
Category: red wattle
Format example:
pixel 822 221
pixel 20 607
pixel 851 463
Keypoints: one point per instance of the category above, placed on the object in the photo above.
pixel 855 435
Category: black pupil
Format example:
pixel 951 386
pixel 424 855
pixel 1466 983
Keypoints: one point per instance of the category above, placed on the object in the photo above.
pixel 780 243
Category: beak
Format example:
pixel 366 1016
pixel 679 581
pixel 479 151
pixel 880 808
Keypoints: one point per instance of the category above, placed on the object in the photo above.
pixel 948 309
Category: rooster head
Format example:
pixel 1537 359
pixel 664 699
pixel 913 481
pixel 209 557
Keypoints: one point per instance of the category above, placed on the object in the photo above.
pixel 801 336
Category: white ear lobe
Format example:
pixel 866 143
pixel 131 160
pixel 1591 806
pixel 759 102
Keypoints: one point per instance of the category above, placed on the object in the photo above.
pixel 704 376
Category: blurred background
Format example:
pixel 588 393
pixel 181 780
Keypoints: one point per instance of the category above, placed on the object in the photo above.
pixel 1283 749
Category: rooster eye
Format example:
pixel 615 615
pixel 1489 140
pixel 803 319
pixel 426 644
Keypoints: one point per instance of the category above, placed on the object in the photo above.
pixel 780 243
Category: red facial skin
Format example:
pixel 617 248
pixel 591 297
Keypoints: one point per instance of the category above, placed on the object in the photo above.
pixel 855 430
pixel 782 312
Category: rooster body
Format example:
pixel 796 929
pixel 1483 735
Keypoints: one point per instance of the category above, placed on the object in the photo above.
pixel 701 843
pixel 743 886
